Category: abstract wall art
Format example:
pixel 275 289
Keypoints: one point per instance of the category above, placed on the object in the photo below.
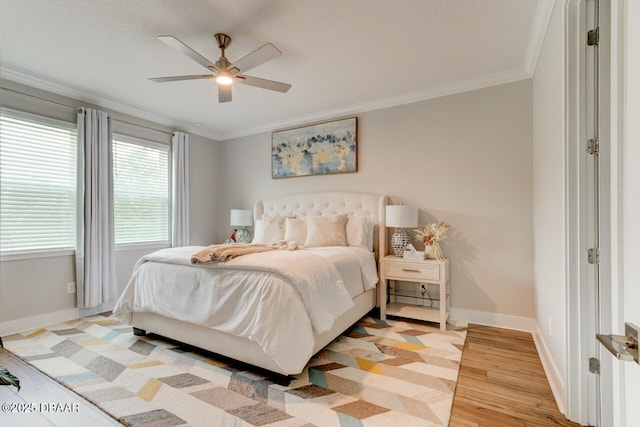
pixel 317 149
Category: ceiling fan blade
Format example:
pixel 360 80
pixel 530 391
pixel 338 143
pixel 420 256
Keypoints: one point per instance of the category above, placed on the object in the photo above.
pixel 181 47
pixel 178 78
pixel 224 93
pixel 262 83
pixel 255 58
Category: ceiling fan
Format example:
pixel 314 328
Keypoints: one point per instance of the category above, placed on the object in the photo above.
pixel 224 72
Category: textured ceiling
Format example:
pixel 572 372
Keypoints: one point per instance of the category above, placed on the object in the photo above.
pixel 341 57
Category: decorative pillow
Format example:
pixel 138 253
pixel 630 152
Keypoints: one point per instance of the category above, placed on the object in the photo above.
pixel 360 232
pixel 326 231
pixel 271 229
pixel 295 230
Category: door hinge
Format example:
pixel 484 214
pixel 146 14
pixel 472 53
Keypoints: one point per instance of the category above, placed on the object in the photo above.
pixel 594 365
pixel 593 37
pixel 593 255
pixel 593 146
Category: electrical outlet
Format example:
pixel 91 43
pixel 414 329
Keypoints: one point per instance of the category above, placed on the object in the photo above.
pixel 71 287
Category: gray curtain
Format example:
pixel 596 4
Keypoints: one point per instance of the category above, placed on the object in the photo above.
pixel 95 248
pixel 180 189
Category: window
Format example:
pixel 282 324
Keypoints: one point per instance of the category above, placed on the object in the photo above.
pixel 37 183
pixel 141 191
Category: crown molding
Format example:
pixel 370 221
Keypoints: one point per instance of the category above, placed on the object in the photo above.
pixel 538 31
pixel 42 83
pixel 418 96
pixel 481 82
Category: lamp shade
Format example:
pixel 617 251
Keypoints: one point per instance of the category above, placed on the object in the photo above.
pixel 401 216
pixel 241 218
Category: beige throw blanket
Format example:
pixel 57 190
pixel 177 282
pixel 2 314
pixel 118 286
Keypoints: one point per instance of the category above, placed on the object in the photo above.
pixel 225 252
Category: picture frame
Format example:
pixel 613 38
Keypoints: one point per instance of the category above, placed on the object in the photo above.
pixel 323 148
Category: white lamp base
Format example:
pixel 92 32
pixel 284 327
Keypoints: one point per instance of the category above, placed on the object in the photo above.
pixel 399 241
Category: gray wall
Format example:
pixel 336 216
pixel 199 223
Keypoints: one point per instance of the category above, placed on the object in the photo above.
pixel 37 286
pixel 465 159
pixel 549 197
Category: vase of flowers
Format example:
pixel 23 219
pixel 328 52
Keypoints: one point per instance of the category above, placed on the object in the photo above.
pixel 431 235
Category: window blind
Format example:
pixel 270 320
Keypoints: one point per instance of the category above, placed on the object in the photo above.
pixel 37 183
pixel 141 191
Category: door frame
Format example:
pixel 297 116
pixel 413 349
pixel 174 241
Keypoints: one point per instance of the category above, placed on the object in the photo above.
pixel 581 390
pixel 581 385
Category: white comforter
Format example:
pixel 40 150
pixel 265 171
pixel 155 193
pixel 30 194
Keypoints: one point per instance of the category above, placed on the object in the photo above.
pixel 276 299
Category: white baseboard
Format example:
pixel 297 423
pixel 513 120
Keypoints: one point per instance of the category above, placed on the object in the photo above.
pixel 40 320
pixel 105 306
pixel 556 382
pixel 34 322
pixel 485 318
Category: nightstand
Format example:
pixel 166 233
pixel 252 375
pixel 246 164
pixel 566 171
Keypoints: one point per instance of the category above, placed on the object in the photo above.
pixel 415 299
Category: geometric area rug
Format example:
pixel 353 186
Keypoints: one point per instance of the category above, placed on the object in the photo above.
pixel 377 373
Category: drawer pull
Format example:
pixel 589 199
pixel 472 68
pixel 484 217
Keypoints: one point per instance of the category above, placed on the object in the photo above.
pixel 407 270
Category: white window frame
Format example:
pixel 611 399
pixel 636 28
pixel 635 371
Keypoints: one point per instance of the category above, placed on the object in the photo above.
pixel 155 145
pixel 42 252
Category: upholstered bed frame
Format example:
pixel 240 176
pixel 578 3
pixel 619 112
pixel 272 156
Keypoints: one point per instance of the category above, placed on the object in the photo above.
pixel 300 205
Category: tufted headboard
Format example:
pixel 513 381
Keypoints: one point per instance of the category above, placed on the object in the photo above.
pixel 332 203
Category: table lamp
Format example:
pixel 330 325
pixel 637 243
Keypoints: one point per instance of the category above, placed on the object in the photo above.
pixel 401 216
pixel 241 219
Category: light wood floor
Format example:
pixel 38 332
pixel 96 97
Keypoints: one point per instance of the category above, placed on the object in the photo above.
pixel 502 383
pixel 37 389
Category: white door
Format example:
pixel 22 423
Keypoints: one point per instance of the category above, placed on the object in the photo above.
pixel 630 372
pixel 606 294
pixel 621 380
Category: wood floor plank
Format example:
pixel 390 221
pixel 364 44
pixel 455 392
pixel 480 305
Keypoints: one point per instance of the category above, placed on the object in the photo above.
pixel 502 382
pixel 511 407
pixel 535 385
pixel 506 342
pixel 500 332
pixel 467 371
pixel 456 421
pixel 510 393
pixel 507 353
pixel 487 417
pixel 496 363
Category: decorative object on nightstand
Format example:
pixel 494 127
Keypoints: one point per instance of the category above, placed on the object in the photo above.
pixel 241 219
pixel 412 254
pixel 431 235
pixel 401 216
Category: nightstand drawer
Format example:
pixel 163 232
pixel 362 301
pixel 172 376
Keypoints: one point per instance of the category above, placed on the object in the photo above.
pixel 412 271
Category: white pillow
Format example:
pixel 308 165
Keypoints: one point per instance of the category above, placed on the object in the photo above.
pixel 295 230
pixel 270 229
pixel 360 232
pixel 326 231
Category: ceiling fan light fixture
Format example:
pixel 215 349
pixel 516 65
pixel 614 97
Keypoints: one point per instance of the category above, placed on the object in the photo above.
pixel 224 72
pixel 224 79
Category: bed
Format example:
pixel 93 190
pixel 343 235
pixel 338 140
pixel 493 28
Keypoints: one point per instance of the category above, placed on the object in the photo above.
pixel 274 309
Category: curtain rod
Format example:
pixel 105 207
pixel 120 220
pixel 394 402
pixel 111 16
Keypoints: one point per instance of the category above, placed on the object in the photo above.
pixel 39 98
pixel 78 108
